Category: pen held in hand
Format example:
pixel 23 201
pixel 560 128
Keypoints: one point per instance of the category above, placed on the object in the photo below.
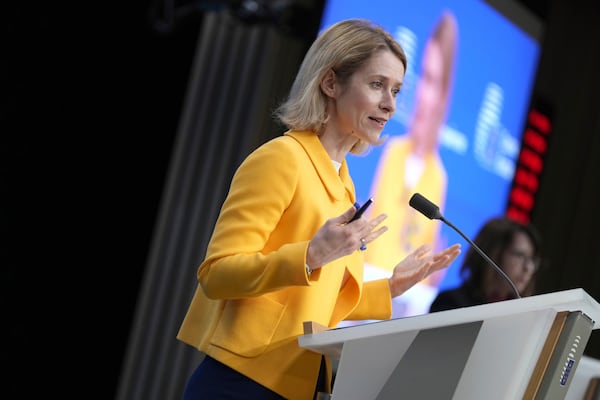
pixel 361 210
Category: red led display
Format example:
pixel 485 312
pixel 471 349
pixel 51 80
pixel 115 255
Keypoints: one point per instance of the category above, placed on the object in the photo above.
pixel 530 165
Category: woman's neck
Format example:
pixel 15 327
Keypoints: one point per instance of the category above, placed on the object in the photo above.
pixel 337 145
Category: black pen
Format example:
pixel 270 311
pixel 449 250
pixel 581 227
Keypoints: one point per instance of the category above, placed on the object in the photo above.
pixel 361 210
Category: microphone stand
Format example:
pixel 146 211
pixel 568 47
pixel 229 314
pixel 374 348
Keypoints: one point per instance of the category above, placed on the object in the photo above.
pixel 482 254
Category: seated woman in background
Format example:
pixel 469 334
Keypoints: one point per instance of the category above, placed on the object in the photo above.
pixel 515 247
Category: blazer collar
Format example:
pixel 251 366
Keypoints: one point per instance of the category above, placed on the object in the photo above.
pixel 336 185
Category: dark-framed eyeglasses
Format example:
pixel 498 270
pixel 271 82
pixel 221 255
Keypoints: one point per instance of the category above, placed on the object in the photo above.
pixel 532 262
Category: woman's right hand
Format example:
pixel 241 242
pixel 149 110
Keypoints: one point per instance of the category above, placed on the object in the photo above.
pixel 338 238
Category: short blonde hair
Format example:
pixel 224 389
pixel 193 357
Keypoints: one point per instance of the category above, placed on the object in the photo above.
pixel 344 47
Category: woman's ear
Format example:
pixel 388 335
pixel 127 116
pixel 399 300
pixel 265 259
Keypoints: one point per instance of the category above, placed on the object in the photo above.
pixel 328 83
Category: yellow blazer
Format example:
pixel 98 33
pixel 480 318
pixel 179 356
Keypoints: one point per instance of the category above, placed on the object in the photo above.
pixel 254 293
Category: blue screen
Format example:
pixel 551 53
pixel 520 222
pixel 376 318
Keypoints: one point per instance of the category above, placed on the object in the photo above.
pixel 494 72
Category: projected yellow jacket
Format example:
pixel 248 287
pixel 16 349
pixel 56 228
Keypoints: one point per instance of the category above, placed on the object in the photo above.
pixel 408 229
pixel 254 293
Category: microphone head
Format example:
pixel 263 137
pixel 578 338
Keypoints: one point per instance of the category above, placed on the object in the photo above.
pixel 424 206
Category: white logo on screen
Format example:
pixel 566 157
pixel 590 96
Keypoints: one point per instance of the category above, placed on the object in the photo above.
pixel 495 149
pixel 409 42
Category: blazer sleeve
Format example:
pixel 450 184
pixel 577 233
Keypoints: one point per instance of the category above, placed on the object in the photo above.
pixel 237 263
pixel 375 302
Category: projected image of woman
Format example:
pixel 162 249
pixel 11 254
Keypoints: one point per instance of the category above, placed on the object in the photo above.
pixel 411 163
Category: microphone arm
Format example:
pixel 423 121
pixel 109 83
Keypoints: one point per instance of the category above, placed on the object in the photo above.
pixel 431 211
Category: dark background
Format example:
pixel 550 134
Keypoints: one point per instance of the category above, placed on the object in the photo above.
pixel 90 102
pixel 91 97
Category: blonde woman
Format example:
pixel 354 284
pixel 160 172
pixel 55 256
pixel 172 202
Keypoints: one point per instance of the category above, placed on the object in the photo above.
pixel 283 250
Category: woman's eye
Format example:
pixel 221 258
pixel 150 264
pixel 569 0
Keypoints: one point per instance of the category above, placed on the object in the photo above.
pixel 377 85
pixel 395 92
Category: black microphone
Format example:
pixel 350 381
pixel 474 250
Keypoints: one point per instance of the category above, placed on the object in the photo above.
pixel 431 211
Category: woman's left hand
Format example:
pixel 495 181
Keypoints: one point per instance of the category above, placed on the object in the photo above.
pixel 418 265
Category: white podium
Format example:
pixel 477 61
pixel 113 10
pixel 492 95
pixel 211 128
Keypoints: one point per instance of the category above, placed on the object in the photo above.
pixel 526 348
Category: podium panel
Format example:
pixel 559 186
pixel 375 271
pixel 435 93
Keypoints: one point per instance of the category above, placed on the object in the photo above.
pixel 514 349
